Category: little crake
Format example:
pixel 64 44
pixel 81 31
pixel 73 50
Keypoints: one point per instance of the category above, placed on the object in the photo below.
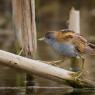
pixel 68 43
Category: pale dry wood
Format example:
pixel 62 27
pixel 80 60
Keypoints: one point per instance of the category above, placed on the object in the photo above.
pixel 74 20
pixel 24 25
pixel 43 70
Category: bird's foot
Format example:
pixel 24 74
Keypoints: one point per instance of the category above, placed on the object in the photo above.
pixel 52 62
pixel 77 75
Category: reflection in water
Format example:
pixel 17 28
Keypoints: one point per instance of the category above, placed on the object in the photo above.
pixel 45 91
pixel 82 92
pixel 11 91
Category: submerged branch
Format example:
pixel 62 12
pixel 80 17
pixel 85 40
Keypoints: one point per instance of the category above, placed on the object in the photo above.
pixel 44 70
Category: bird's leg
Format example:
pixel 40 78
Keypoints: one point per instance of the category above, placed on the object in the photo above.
pixel 79 73
pixel 82 63
pixel 56 62
pixel 51 62
pixel 82 66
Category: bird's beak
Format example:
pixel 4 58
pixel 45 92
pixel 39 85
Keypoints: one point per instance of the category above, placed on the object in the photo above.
pixel 41 39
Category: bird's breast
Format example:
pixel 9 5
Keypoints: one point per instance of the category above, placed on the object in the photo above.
pixel 65 49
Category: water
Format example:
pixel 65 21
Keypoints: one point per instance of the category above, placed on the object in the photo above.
pixel 12 82
pixel 45 91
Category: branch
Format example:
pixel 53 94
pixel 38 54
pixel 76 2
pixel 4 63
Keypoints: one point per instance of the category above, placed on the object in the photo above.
pixel 43 70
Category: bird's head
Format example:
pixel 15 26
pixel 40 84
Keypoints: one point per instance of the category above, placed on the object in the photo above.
pixel 62 35
pixel 49 36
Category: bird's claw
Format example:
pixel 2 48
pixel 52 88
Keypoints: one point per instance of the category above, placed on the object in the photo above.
pixel 77 75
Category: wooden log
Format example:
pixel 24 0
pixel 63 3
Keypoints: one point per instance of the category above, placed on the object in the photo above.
pixel 44 70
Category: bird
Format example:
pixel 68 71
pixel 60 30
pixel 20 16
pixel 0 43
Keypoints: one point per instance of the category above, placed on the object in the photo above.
pixel 70 44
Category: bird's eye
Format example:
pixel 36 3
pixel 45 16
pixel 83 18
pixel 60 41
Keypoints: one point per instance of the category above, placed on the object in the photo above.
pixel 47 35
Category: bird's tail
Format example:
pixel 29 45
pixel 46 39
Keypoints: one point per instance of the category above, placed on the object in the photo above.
pixel 92 46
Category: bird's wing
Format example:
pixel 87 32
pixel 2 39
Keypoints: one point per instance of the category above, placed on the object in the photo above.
pixel 64 36
pixel 82 45
pixel 79 42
